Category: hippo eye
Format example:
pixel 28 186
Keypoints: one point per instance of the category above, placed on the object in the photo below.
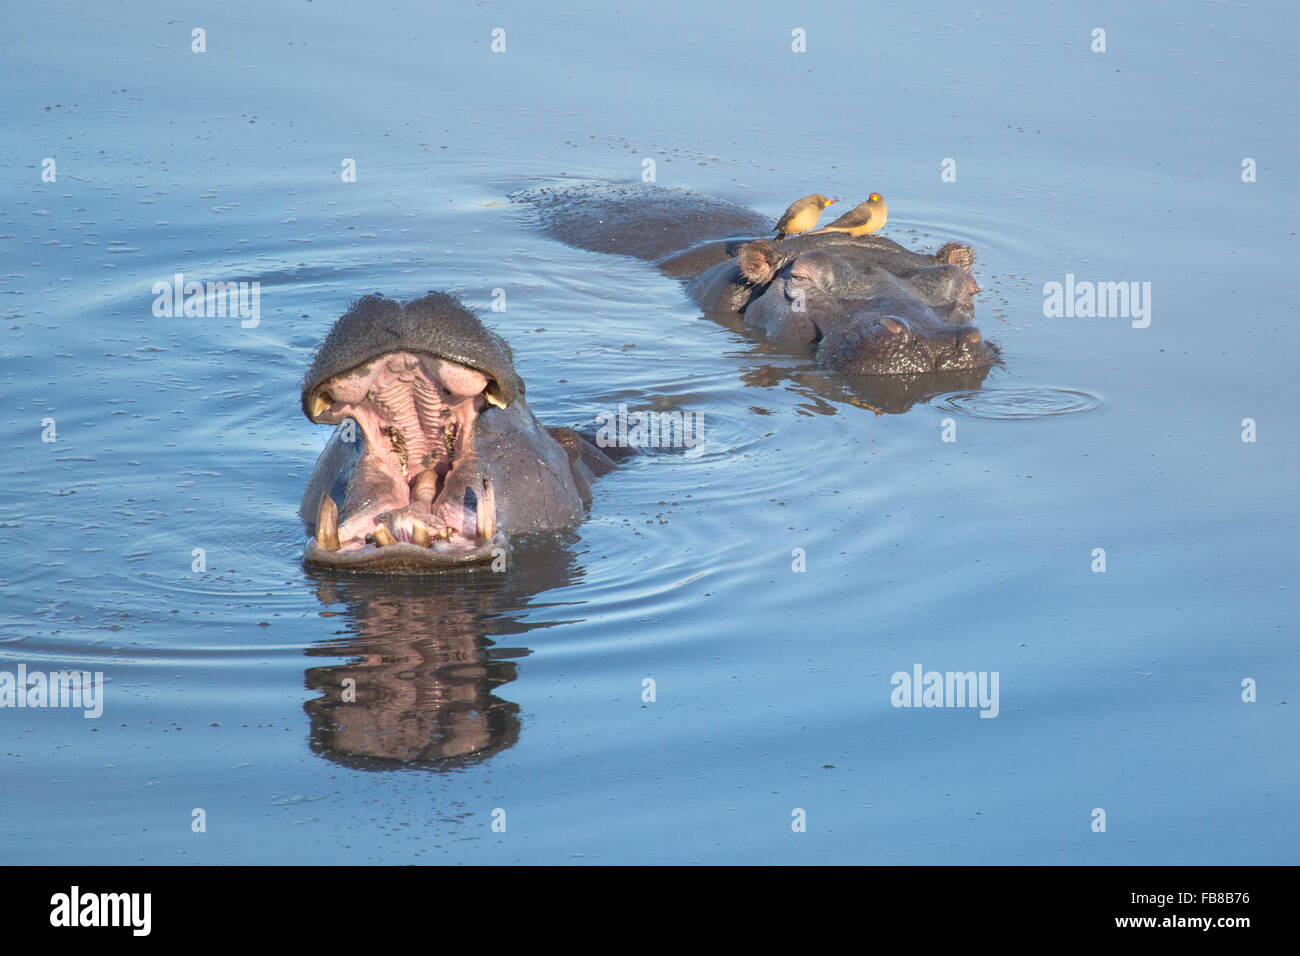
pixel 806 268
pixel 891 325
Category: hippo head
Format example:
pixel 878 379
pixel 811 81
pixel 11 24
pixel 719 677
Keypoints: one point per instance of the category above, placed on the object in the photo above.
pixel 437 457
pixel 866 309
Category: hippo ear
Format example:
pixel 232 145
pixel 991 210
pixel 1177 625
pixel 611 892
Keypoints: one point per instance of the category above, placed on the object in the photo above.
pixel 759 261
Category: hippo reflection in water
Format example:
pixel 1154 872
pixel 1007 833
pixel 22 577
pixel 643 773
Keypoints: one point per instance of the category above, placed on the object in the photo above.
pixel 898 320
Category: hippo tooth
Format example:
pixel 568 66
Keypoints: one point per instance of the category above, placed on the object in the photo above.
pixel 485 514
pixel 327 524
pixel 320 404
pixel 384 537
pixel 419 534
pixel 493 395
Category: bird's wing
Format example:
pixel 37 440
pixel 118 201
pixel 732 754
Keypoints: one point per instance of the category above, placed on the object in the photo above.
pixel 854 217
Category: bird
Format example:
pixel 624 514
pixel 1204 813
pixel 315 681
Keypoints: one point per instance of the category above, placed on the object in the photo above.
pixel 802 215
pixel 861 220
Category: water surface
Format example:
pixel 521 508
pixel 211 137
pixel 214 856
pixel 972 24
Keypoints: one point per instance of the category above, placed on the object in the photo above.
pixel 523 692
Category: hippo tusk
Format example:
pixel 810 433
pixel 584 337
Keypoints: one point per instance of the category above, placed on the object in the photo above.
pixel 383 537
pixel 327 524
pixel 320 404
pixel 485 514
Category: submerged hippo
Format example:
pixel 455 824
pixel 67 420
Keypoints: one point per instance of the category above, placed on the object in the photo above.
pixel 437 458
pixel 866 305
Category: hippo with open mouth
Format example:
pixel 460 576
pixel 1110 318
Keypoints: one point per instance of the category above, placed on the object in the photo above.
pixel 437 458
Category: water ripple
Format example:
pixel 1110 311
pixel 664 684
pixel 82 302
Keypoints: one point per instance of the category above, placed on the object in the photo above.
pixel 1018 403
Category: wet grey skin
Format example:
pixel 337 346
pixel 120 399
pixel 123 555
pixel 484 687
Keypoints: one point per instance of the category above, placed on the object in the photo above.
pixel 864 306
pixel 437 459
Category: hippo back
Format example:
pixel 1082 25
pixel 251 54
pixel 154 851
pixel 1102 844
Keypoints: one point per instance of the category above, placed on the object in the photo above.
pixel 637 219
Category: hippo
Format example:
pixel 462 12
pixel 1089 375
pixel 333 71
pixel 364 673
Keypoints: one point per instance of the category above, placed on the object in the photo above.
pixel 437 459
pixel 865 306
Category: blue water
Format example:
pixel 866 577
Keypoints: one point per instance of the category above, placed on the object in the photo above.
pixel 1119 690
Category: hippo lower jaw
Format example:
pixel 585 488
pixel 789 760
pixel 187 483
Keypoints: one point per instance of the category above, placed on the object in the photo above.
pixel 417 495
pixel 403 557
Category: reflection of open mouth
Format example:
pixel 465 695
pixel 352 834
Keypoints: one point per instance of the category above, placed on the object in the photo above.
pixel 407 502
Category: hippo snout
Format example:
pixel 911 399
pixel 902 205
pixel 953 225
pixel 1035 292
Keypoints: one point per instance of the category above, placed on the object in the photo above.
pixel 969 350
pixel 874 341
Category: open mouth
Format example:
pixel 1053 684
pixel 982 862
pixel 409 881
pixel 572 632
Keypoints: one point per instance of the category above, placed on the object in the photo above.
pixel 417 495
